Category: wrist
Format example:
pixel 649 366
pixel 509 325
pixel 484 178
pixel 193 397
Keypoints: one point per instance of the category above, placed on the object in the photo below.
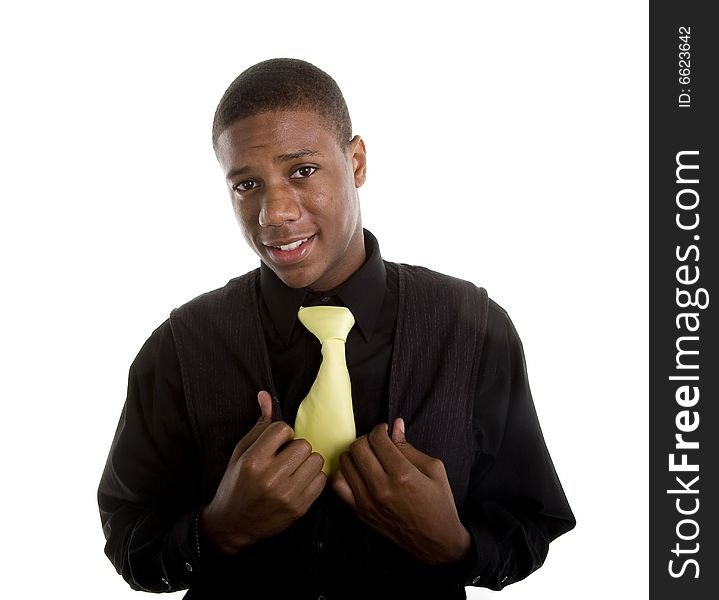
pixel 457 549
pixel 463 546
pixel 214 536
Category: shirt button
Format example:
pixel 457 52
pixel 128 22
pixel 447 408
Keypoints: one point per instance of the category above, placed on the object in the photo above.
pixel 476 579
pixel 188 566
pixel 320 545
pixel 504 579
pixel 325 299
pixel 167 583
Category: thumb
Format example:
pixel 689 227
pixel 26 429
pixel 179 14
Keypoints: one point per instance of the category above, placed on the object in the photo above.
pixel 418 458
pixel 265 420
pixel 265 401
pixel 398 436
pixel 400 440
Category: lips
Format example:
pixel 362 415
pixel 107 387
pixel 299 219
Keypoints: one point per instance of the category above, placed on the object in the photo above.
pixel 291 245
pixel 290 251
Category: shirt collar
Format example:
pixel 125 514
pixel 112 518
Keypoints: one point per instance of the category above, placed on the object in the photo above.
pixel 362 293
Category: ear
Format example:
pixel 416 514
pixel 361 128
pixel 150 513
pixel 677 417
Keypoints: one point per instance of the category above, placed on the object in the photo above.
pixel 358 153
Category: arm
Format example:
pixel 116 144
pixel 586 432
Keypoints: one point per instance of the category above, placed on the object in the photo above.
pixel 515 505
pixel 150 497
pixel 150 486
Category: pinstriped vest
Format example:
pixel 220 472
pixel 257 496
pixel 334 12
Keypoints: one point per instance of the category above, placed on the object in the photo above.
pixel 440 329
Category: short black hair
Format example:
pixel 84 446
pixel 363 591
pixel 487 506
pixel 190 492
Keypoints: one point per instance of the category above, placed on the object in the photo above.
pixel 283 84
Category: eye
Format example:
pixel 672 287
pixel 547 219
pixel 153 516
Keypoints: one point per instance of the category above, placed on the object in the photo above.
pixel 303 172
pixel 245 186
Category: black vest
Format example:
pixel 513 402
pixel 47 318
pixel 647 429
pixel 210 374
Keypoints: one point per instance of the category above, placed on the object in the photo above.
pixel 438 340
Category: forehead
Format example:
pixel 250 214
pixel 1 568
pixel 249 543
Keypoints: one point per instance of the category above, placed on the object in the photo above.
pixel 275 131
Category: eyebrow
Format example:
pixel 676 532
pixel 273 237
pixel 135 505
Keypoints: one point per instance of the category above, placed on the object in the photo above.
pixel 280 158
pixel 304 153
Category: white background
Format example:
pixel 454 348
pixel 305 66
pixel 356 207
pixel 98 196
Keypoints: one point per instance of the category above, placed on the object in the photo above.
pixel 507 144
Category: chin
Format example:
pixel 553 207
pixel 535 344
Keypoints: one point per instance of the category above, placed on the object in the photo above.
pixel 296 280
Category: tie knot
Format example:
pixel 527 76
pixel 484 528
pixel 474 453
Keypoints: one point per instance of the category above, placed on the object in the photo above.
pixel 327 322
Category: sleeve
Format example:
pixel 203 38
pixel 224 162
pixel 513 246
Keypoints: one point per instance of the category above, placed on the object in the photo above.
pixel 515 504
pixel 149 491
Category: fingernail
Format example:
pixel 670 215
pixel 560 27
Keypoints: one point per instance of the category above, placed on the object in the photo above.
pixel 401 425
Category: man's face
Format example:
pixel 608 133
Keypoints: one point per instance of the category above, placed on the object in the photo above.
pixel 293 189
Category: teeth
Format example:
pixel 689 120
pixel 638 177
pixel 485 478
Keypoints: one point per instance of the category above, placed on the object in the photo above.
pixel 293 245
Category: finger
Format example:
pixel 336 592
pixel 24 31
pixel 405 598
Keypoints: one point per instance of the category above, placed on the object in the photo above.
pixel 343 489
pixel 265 401
pixel 425 463
pixel 290 456
pixel 307 470
pixel 354 479
pixel 367 463
pixel 314 489
pixel 386 451
pixel 398 430
pixel 271 439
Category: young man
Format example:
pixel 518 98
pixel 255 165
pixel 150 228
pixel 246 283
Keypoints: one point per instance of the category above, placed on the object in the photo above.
pixel 263 451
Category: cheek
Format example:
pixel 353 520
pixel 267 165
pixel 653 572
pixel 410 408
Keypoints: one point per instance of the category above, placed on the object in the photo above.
pixel 319 204
pixel 245 217
pixel 344 212
pixel 236 210
pixel 330 206
pixel 242 212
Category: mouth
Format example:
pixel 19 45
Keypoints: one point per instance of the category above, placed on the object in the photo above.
pixel 289 246
pixel 290 251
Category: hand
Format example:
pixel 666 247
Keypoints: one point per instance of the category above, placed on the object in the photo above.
pixel 264 488
pixel 404 494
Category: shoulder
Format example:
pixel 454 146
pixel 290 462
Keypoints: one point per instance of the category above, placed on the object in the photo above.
pixel 218 299
pixel 421 282
pixel 502 344
pixel 447 302
pixel 499 323
pixel 157 355
pixel 499 317
pixel 430 277
pixel 500 329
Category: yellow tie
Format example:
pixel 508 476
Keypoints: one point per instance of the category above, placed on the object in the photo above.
pixel 325 418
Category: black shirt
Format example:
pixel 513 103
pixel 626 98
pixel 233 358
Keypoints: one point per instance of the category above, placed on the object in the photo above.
pixel 504 512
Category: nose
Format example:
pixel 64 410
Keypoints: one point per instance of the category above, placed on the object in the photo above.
pixel 279 206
